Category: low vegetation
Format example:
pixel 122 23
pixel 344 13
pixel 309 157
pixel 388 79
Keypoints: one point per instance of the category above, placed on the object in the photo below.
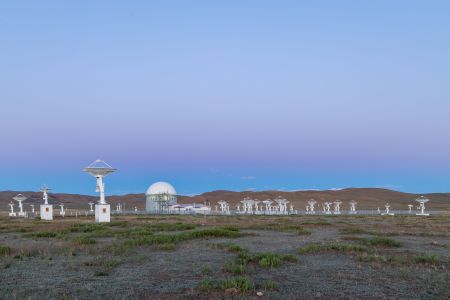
pixel 4 250
pixel 332 246
pixel 238 284
pixel 298 229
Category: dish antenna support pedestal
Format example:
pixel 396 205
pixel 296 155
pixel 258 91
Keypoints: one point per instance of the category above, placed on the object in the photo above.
pixel 100 169
pixel 422 200
pixel 46 209
pixel 20 198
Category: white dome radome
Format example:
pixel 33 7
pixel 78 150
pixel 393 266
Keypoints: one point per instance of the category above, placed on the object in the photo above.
pixel 161 188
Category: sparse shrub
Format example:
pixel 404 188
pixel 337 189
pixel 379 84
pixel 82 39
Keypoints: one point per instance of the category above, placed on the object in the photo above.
pixel 371 258
pixel 282 227
pixel 4 250
pixel 303 231
pixel 171 226
pixel 44 234
pixel 319 223
pixel 271 260
pixel 233 268
pixel 384 241
pixel 244 257
pixel 235 248
pixel 206 285
pixel 426 259
pixel 84 240
pixel 101 273
pixel 240 283
pixel 86 227
pixel 269 285
pixel 206 270
pixel 290 258
pixel 352 230
pixel 167 247
pixel 335 246
pixel 310 248
pixel 118 224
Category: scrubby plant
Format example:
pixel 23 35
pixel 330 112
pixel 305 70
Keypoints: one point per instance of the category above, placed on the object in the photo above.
pixel 171 226
pixel 234 268
pixel 240 283
pixel 86 227
pixel 426 259
pixel 271 260
pixel 206 270
pixel 167 246
pixel 206 285
pixel 335 246
pixel 269 285
pixel 43 234
pixel 118 224
pixel 352 230
pixel 84 240
pixel 371 258
pixel 4 250
pixel 384 241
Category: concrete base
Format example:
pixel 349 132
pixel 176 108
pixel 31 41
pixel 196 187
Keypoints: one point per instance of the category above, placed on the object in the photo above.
pixel 422 214
pixel 21 214
pixel 47 212
pixel 387 214
pixel 102 213
pixel 12 214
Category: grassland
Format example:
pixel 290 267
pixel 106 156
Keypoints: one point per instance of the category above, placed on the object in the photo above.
pixel 178 257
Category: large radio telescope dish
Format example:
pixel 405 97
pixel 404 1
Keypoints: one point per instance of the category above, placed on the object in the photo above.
pixel 99 168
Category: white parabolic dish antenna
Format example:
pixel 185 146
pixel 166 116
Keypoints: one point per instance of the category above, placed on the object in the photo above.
pixel 20 198
pixel 99 168
pixel 422 199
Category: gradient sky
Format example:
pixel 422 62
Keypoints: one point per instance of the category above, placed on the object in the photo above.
pixel 228 94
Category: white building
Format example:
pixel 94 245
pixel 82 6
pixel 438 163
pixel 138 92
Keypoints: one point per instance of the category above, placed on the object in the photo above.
pixel 160 196
pixel 197 208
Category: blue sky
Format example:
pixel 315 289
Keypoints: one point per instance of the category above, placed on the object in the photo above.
pixel 225 94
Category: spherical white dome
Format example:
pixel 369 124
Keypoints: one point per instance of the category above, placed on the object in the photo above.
pixel 161 188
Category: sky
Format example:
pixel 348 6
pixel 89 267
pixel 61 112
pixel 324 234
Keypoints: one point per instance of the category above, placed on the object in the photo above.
pixel 236 95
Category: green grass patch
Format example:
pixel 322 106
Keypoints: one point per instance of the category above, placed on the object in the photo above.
pixel 272 260
pixel 4 250
pixel 372 258
pixel 207 285
pixel 384 241
pixel 332 246
pixel 43 234
pixel 244 257
pixel 269 285
pixel 426 259
pixel 318 223
pixel 118 224
pixel 206 270
pixel 158 239
pixel 171 226
pixel 352 230
pixel 83 240
pixel 167 247
pixel 282 227
pixel 234 268
pixel 240 283
pixel 86 227
pixel 229 247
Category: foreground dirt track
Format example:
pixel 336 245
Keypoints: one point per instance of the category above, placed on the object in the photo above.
pixel 189 257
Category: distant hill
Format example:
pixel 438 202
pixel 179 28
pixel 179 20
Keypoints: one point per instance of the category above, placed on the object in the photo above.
pixel 367 198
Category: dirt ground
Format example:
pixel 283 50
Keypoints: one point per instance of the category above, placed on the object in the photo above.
pixel 217 257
